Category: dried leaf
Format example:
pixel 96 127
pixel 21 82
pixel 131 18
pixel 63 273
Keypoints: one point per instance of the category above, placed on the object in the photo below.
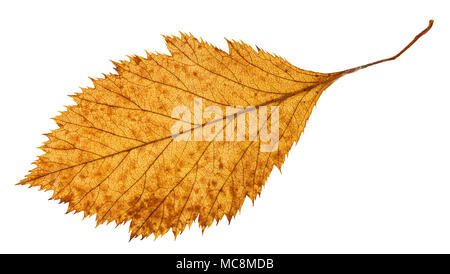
pixel 116 155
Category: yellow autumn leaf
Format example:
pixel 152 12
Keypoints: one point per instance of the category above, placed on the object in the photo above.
pixel 172 138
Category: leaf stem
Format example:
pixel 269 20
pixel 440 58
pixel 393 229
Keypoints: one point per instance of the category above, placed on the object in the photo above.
pixel 430 24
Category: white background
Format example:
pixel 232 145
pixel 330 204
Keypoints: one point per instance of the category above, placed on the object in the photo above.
pixel 370 173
